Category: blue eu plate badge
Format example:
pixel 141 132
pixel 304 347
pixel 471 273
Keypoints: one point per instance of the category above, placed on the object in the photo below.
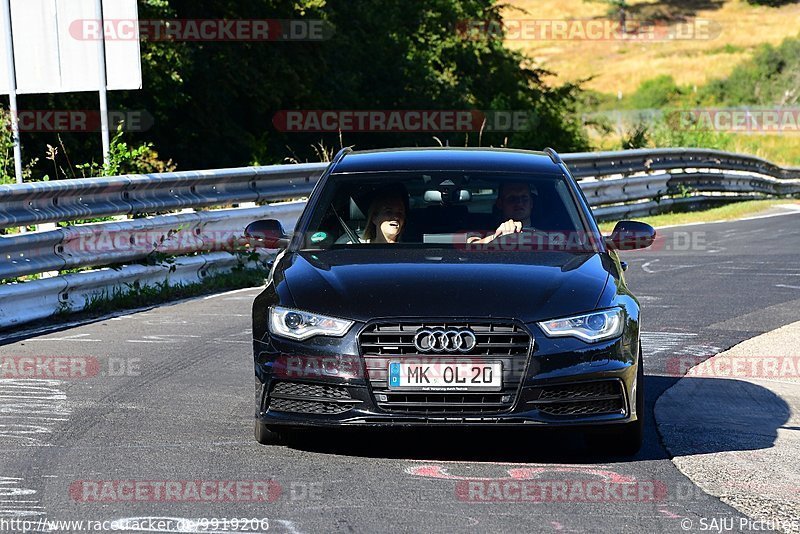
pixel 394 374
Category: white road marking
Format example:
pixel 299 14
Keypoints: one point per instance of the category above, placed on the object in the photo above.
pixel 235 291
pixel 164 338
pixel 787 286
pixel 166 321
pixel 12 487
pixel 74 337
pixel 646 267
pixel 30 410
pixel 675 344
pixel 290 526
pixel 793 209
pixel 745 267
pixel 765 274
pixel 222 315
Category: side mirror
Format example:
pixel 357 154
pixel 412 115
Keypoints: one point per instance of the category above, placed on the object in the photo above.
pixel 632 235
pixel 268 233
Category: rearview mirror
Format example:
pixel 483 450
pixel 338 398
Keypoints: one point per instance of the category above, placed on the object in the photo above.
pixel 632 235
pixel 268 233
pixel 436 196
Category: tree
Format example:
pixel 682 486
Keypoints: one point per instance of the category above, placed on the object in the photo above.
pixel 213 103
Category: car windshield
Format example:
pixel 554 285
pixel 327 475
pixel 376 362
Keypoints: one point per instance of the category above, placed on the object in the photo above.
pixel 515 211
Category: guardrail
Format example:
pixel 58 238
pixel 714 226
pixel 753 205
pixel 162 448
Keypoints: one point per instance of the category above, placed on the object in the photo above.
pixel 617 185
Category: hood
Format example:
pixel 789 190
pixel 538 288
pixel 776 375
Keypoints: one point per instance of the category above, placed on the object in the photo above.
pixel 400 282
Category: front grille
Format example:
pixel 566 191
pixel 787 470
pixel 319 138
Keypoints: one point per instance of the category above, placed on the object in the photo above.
pixel 385 342
pixel 585 398
pixel 446 403
pixel 397 339
pixel 299 397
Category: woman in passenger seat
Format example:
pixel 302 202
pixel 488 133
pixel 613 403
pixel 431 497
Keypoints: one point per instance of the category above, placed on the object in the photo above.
pixel 386 218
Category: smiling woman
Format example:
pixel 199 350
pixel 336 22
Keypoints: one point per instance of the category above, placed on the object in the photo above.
pixel 387 216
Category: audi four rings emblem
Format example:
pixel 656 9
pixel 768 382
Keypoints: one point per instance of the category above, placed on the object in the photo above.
pixel 441 340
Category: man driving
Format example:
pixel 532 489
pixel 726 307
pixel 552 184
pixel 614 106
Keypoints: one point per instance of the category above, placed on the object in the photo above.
pixel 514 200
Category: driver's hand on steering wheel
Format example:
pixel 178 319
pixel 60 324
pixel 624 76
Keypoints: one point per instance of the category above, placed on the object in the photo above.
pixel 509 227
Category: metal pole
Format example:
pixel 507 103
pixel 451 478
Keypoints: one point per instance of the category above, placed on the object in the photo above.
pixel 12 89
pixel 101 62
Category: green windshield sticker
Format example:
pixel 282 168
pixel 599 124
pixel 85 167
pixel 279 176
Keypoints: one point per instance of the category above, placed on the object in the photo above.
pixel 319 236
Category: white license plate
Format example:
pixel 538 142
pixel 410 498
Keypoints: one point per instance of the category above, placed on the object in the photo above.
pixel 450 376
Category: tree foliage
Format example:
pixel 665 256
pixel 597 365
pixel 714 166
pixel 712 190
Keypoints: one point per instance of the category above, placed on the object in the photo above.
pixel 771 77
pixel 213 103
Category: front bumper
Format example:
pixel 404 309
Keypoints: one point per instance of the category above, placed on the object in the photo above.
pixel 563 382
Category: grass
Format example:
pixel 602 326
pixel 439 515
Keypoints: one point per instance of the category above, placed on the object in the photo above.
pixel 728 212
pixel 620 67
pixel 135 296
pixel 779 149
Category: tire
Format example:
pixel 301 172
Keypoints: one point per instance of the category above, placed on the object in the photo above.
pixel 264 435
pixel 626 439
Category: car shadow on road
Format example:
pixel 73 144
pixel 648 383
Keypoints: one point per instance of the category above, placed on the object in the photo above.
pixel 703 415
pixel 535 445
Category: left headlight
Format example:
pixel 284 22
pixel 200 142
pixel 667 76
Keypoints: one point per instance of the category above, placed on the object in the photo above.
pixel 300 325
pixel 590 327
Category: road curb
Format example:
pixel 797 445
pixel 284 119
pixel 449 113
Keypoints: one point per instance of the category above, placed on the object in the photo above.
pixel 732 426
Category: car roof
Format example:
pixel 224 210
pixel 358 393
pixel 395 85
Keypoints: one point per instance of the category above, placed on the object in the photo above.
pixel 447 159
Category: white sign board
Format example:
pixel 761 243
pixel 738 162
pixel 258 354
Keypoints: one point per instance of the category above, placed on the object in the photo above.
pixel 55 47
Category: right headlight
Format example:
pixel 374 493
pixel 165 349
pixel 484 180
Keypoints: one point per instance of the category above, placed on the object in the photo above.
pixel 590 327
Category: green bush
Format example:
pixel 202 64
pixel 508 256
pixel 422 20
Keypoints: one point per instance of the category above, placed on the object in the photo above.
pixel 656 93
pixel 675 129
pixel 771 77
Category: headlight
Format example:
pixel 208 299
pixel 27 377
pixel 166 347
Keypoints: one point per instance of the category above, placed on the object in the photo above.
pixel 300 325
pixel 590 327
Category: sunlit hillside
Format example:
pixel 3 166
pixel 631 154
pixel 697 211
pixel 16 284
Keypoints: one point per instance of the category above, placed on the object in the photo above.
pixel 619 66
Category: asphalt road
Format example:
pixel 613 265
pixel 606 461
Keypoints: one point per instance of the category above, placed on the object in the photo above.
pixel 169 399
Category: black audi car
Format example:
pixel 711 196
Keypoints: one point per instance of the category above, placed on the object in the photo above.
pixel 448 287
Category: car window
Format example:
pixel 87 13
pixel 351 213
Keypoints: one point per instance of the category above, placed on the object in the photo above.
pixel 437 209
